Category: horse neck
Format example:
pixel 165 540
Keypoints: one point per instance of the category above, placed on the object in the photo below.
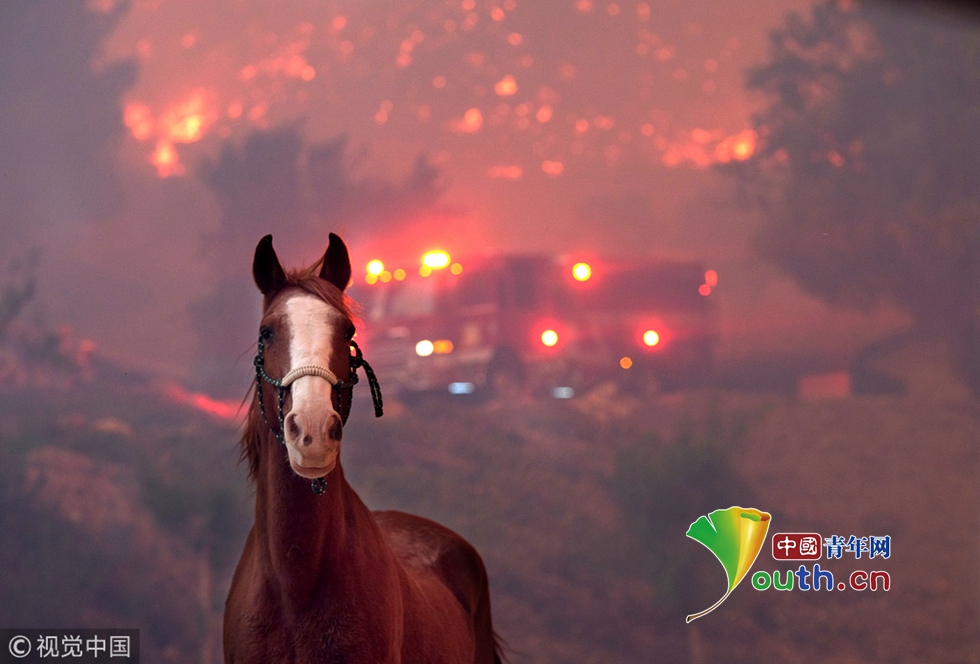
pixel 309 543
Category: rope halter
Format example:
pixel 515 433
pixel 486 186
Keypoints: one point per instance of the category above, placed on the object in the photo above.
pixel 319 485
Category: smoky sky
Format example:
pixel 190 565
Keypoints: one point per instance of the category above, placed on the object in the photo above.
pixel 147 146
pixel 59 119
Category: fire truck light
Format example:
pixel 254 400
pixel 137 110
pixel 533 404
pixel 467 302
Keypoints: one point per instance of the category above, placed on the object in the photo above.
pixel 626 363
pixel 651 338
pixel 581 271
pixel 400 274
pixel 456 268
pixel 461 388
pixel 549 338
pixel 704 289
pixel 371 279
pixel 424 348
pixel 442 347
pixel 435 260
pixel 711 278
pixel 425 271
pixel 375 267
pixel 385 276
pixel 562 392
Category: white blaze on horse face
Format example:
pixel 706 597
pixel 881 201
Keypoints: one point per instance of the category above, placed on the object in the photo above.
pixel 312 427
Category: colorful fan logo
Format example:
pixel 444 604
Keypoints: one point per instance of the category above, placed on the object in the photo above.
pixel 735 536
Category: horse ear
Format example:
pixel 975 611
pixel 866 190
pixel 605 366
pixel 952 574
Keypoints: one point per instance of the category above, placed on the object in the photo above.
pixel 266 270
pixel 336 263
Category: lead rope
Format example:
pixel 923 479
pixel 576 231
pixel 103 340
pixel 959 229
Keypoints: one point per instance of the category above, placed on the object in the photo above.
pixel 319 485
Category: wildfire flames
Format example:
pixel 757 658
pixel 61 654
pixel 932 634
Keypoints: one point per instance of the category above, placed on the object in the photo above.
pixel 222 410
pixel 185 121
pixel 451 71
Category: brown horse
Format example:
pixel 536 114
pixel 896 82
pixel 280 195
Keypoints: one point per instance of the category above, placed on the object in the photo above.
pixel 322 578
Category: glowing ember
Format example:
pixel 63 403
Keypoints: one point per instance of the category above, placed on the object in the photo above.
pixel 505 172
pixel 552 167
pixel 166 160
pixel 470 123
pixel 288 69
pixel 506 86
pixel 186 121
pixel 738 147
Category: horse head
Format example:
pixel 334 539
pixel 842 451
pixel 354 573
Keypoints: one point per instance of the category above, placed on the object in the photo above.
pixel 305 354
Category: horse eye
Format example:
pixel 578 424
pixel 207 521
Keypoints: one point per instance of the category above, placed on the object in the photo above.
pixel 350 332
pixel 266 333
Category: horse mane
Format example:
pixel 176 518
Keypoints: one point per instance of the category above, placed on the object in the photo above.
pixel 308 279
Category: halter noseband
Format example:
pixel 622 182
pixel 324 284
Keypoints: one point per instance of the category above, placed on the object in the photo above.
pixel 319 485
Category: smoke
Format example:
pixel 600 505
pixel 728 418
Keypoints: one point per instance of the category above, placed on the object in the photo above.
pixel 278 182
pixel 59 119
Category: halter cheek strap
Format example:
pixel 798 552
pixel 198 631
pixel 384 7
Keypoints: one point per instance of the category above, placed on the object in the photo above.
pixel 357 360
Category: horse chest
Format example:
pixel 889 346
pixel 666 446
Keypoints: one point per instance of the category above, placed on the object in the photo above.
pixel 317 638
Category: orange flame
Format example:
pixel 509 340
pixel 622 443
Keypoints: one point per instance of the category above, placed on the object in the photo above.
pixel 470 123
pixel 166 160
pixel 139 120
pixel 222 410
pixel 186 121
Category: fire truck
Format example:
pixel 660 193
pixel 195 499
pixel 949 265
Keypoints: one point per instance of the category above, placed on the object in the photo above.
pixel 508 324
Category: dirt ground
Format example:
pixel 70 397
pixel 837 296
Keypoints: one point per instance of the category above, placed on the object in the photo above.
pixel 532 484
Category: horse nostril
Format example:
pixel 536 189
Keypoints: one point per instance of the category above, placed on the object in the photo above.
pixel 307 439
pixel 336 431
pixel 294 429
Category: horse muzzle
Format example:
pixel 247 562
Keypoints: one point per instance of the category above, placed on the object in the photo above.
pixel 313 429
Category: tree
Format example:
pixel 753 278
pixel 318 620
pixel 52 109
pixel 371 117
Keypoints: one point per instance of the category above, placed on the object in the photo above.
pixel 868 167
